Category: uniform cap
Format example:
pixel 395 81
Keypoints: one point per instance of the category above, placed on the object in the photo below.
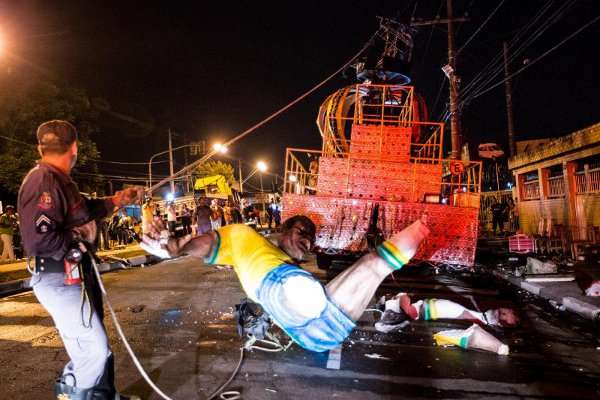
pixel 56 130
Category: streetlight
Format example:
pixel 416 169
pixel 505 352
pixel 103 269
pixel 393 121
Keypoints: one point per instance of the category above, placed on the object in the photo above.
pixel 218 147
pixel 261 166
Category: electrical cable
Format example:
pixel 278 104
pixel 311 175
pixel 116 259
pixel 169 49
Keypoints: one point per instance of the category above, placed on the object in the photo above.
pixel 495 61
pixel 136 361
pixel 492 64
pixel 495 66
pixel 540 57
pixel 119 329
pixel 522 45
pixel 16 140
pixel 232 394
pixel 128 163
pixel 267 119
pixel 430 36
pixel 480 27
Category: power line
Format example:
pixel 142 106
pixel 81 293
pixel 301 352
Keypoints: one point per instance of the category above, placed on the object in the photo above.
pixel 493 64
pixel 540 57
pixel 551 20
pixel 267 119
pixel 16 140
pixel 126 162
pixel 480 27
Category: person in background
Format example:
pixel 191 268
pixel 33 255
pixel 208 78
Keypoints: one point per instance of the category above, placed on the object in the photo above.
pixel 269 211
pixel 228 212
pixel 277 214
pixel 202 217
pixel 236 215
pixel 513 216
pixel 498 216
pixel 148 211
pixel 171 218
pixel 216 214
pixel 113 229
pixel 103 236
pixel 186 219
pixel 8 225
pixel 123 227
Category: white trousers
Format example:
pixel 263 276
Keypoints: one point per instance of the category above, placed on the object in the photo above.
pixel 7 247
pixel 87 346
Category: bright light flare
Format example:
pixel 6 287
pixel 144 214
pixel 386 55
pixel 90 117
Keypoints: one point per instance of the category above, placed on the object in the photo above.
pixel 261 166
pixel 293 178
pixel 170 196
pixel 220 148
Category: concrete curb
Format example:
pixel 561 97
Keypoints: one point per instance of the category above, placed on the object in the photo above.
pixel 572 304
pixel 22 285
pixel 13 287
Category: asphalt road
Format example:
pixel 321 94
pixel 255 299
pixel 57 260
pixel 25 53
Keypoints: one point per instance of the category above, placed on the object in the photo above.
pixel 178 317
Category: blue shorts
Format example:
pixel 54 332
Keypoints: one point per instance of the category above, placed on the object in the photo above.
pixel 316 334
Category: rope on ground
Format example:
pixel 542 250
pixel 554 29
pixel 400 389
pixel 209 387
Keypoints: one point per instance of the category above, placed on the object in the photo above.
pixel 275 347
pixel 249 345
pixel 231 394
pixel 119 329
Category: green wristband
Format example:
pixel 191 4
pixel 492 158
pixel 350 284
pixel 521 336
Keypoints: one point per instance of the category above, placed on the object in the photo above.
pixel 392 255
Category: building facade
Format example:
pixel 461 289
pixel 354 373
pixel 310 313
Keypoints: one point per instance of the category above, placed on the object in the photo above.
pixel 558 186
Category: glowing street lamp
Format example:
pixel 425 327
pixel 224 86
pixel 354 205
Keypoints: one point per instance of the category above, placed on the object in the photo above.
pixel 261 166
pixel 220 148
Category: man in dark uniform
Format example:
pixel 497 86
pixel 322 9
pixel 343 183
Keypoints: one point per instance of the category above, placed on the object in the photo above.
pixel 53 217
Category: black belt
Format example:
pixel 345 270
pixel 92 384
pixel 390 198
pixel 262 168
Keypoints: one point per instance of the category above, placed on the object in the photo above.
pixel 48 264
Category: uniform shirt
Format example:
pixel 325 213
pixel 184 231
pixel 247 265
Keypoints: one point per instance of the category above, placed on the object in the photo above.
pixel 251 255
pixel 49 207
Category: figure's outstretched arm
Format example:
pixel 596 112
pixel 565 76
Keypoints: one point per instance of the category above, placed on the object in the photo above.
pixel 158 243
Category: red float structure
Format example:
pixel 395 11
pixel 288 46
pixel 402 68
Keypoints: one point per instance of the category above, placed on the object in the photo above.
pixel 381 167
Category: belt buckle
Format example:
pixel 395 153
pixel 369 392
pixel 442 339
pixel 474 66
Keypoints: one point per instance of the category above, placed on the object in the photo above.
pixel 32 270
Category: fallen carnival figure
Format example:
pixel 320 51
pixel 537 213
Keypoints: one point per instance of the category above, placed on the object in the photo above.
pixel 315 317
pixel 399 310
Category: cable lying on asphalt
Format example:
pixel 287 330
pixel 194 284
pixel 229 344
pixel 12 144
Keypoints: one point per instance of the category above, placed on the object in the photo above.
pixel 272 342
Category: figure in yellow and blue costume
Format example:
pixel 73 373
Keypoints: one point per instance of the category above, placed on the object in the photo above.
pixel 294 299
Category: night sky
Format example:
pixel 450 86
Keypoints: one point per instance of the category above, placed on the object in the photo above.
pixel 210 70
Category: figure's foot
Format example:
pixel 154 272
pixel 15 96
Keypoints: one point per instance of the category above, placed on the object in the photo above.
pixel 409 239
pixel 406 306
pixel 392 321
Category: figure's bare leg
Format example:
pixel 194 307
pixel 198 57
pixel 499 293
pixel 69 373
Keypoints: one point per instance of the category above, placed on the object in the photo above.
pixel 353 289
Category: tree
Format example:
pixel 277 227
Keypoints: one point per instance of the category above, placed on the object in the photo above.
pixel 212 167
pixel 23 109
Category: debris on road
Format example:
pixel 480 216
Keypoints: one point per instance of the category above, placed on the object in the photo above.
pixel 536 266
pixel 377 356
pixel 475 337
pixel 137 308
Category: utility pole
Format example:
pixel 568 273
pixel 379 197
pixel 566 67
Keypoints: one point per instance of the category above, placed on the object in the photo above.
pixel 509 108
pixel 454 117
pixel 450 71
pixel 171 162
pixel 240 172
